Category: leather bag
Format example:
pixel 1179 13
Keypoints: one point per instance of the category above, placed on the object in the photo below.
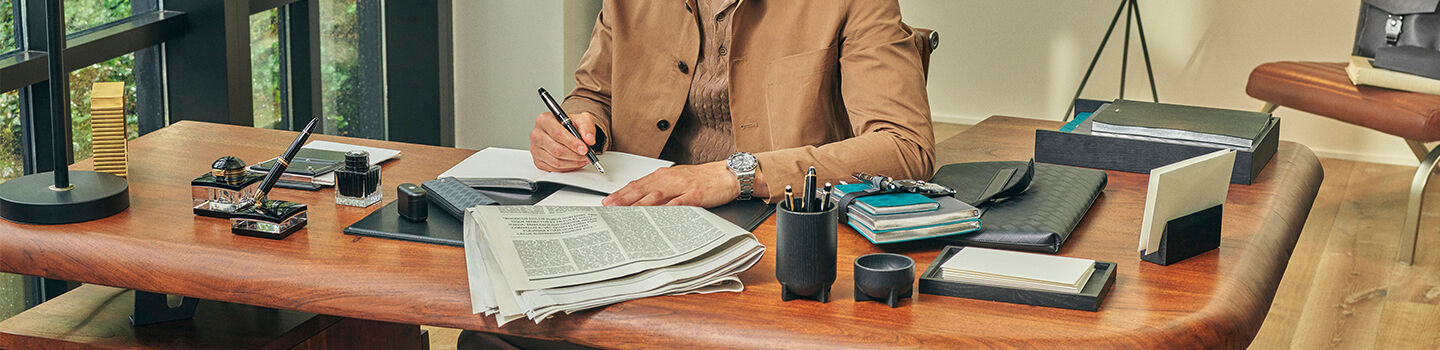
pixel 1387 23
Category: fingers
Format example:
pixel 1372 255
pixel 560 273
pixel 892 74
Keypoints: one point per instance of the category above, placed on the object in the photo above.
pixel 552 151
pixel 585 123
pixel 546 123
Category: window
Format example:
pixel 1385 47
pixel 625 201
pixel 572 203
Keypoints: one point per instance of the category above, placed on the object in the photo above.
pixel 265 68
pixel 7 26
pixel 85 14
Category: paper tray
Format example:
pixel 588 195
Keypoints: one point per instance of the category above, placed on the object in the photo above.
pixel 1088 299
pixel 1082 149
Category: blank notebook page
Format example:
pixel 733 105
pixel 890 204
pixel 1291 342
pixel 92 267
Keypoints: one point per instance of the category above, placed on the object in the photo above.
pixel 1024 266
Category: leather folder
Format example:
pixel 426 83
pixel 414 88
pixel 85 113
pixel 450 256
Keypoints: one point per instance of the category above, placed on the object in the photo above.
pixel 1039 219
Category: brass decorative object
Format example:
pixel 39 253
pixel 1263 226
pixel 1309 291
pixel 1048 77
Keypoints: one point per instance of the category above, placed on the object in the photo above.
pixel 107 125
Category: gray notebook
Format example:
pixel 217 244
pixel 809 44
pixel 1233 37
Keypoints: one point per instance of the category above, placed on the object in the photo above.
pixel 1240 129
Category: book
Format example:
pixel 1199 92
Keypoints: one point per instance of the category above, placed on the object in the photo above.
pixel 1183 188
pixel 950 210
pixel 1363 72
pixel 889 203
pixel 514 169
pixel 1003 268
pixel 316 161
pixel 1235 129
pixel 913 233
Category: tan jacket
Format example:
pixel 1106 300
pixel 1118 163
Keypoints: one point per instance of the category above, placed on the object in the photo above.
pixel 837 84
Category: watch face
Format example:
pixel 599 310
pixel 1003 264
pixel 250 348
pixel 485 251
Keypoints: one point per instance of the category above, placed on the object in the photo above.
pixel 741 162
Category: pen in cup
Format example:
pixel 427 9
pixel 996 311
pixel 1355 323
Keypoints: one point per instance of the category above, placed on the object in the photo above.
pixel 789 199
pixel 565 121
pixel 826 202
pixel 809 201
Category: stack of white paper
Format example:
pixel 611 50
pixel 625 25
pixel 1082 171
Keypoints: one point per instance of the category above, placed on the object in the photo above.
pixel 536 261
pixel 1009 269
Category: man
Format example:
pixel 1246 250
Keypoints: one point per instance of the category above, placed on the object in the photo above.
pixel 784 85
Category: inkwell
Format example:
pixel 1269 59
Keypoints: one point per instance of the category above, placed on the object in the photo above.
pixel 275 219
pixel 226 187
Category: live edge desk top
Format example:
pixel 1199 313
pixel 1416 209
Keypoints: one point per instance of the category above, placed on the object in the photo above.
pixel 1217 299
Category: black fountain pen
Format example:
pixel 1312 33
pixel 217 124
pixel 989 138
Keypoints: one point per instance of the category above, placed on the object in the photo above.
pixel 282 163
pixel 565 120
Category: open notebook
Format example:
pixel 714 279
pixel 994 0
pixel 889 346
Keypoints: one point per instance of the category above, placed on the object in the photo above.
pixel 514 169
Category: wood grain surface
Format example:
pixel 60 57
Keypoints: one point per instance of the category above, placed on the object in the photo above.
pixel 1217 299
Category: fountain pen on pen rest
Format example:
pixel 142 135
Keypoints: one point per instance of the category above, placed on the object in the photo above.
pixel 275 219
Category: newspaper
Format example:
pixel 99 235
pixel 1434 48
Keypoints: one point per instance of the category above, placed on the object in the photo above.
pixel 535 261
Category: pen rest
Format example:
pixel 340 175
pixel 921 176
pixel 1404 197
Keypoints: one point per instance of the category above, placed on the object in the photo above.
pixel 1187 236
pixel 273 219
pixel 805 253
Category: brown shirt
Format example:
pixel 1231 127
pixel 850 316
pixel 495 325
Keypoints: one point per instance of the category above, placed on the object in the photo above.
pixel 835 84
pixel 703 132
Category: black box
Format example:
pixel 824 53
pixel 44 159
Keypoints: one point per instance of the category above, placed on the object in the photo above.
pixel 1089 299
pixel 1080 148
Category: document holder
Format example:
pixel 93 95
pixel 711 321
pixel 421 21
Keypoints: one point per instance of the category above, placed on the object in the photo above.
pixel 1187 236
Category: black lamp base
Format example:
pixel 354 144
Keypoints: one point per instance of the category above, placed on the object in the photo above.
pixel 29 199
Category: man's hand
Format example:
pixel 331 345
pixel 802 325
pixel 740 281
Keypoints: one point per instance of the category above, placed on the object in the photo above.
pixel 555 149
pixel 705 185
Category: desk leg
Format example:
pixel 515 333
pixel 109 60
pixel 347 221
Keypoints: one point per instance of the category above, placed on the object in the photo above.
pixel 152 308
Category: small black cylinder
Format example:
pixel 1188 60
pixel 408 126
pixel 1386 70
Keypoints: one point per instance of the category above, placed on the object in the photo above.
pixel 412 204
pixel 805 253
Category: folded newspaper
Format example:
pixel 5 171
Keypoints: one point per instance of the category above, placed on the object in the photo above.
pixel 536 261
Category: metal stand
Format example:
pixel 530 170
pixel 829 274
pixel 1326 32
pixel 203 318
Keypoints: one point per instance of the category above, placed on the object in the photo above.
pixel 152 308
pixel 1134 12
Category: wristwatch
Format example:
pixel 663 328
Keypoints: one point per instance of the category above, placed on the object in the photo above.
pixel 744 166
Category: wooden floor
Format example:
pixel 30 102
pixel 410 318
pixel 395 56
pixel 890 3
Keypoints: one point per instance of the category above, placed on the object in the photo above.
pixel 1343 288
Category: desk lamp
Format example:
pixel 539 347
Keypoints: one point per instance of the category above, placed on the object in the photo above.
pixel 61 196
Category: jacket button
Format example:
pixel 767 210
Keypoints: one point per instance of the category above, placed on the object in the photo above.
pixel 662 125
pixel 684 68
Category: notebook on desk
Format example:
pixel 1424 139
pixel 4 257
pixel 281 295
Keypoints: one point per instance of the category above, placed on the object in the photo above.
pixel 506 168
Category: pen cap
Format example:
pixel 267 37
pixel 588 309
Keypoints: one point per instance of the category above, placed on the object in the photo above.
pixel 357 160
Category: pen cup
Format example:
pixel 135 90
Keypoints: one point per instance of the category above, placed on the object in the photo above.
pixel 805 253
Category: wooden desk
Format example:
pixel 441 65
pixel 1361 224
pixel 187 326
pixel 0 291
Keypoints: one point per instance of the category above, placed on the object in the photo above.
pixel 1214 300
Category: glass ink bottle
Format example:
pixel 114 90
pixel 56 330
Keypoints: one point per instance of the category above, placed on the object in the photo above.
pixel 357 184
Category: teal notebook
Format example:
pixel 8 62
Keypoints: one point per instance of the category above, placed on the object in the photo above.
pixel 889 203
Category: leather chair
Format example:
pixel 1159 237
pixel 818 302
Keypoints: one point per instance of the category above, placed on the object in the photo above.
pixel 927 41
pixel 1324 88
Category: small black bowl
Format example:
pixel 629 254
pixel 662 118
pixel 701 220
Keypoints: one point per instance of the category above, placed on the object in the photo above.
pixel 884 277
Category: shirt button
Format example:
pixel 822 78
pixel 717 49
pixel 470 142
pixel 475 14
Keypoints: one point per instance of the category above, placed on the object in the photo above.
pixel 723 51
pixel 662 125
pixel 684 68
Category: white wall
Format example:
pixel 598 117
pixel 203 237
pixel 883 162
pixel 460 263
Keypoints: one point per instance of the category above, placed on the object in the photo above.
pixel 1025 58
pixel 1018 58
pixel 504 50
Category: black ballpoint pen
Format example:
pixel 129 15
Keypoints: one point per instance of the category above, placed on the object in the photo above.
pixel 565 120
pixel 282 163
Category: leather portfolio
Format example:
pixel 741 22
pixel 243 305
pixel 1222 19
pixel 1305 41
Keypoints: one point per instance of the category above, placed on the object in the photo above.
pixel 1039 219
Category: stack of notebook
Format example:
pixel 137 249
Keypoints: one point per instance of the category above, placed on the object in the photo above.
pixel 1009 269
pixel 898 217
pixel 1177 124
